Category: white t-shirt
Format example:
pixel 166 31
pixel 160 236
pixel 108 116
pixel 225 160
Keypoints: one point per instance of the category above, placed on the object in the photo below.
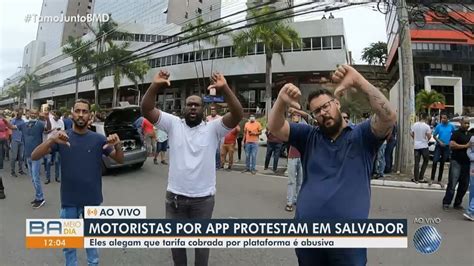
pixel 420 129
pixel 192 155
pixel 55 124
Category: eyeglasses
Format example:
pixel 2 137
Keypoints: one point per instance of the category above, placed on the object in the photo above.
pixel 325 107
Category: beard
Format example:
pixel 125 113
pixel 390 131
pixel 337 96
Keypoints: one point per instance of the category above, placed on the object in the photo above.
pixel 331 130
pixel 193 121
pixel 80 123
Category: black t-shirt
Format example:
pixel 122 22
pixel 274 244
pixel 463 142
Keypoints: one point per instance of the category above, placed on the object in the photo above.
pixel 460 138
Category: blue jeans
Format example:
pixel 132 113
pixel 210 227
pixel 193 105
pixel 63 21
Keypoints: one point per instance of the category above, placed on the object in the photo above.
pixel 470 209
pixel 458 173
pixel 440 155
pixel 380 164
pixel 34 171
pixel 70 253
pixel 18 149
pixel 275 149
pixel 251 155
pixel 295 179
pixel 57 165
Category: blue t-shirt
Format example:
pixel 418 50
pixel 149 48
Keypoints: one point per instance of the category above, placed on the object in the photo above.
pixel 81 174
pixel 33 135
pixel 336 173
pixel 444 132
pixel 67 123
pixel 17 134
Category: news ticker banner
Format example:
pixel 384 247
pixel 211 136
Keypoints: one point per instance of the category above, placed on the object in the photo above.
pixel 110 228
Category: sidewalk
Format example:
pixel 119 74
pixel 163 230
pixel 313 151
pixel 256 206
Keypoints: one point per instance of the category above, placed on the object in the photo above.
pixel 390 180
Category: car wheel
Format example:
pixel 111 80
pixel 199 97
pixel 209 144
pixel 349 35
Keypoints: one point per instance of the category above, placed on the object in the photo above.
pixel 138 165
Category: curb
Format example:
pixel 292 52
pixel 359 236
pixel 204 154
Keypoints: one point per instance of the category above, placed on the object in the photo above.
pixel 375 182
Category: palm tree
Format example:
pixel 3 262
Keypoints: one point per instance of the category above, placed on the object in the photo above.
pixel 28 84
pixel 105 33
pixel 273 35
pixel 424 100
pixel 81 56
pixel 201 32
pixel 132 70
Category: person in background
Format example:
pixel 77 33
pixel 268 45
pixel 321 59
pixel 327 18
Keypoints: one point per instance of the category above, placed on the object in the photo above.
pixel 228 147
pixel 57 124
pixel 295 171
pixel 213 116
pixel 4 126
pixel 33 135
pixel 458 166
pixel 240 138
pixel 138 126
pixel 149 136
pixel 252 131
pixel 421 134
pixel 274 146
pixel 469 213
pixel 347 117
pixel 17 144
pixel 67 121
pixel 161 146
pixel 391 143
pixel 442 134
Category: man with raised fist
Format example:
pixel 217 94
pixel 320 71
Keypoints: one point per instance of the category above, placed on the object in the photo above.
pixel 193 143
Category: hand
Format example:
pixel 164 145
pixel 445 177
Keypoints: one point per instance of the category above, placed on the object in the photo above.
pixel 162 78
pixel 346 77
pixel 442 144
pixel 218 82
pixel 112 140
pixel 290 94
pixel 60 137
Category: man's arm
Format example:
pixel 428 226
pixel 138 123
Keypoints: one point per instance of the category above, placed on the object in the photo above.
pixel 455 146
pixel 236 112
pixel 384 118
pixel 288 97
pixel 148 109
pixel 45 148
pixel 117 153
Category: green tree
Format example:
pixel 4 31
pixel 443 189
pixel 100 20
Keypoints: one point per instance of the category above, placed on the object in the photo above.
pixel 375 54
pixel 28 83
pixel 273 35
pixel 134 70
pixel 200 32
pixel 104 33
pixel 424 99
pixel 81 55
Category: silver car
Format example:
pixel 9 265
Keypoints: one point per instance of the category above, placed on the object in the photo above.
pixel 120 121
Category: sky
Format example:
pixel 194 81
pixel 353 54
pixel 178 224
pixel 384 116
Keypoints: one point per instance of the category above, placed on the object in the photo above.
pixel 363 26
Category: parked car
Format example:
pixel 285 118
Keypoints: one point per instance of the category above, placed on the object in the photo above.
pixel 120 121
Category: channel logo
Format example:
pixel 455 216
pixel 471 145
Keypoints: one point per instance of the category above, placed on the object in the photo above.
pixel 54 233
pixel 427 239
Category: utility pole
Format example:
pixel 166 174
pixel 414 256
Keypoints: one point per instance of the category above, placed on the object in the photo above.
pixel 406 96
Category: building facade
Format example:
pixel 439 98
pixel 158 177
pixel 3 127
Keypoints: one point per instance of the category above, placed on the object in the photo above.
pixel 443 53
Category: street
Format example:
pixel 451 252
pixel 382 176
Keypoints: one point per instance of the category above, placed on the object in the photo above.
pixel 238 196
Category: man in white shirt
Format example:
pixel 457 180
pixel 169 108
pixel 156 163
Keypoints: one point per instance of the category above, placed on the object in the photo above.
pixel 53 158
pixel 193 144
pixel 421 134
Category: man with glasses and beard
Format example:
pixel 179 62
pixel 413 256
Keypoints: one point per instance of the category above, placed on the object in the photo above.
pixel 337 159
pixel 81 153
pixel 193 144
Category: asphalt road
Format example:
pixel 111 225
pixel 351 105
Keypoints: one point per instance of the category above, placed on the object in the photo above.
pixel 238 196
